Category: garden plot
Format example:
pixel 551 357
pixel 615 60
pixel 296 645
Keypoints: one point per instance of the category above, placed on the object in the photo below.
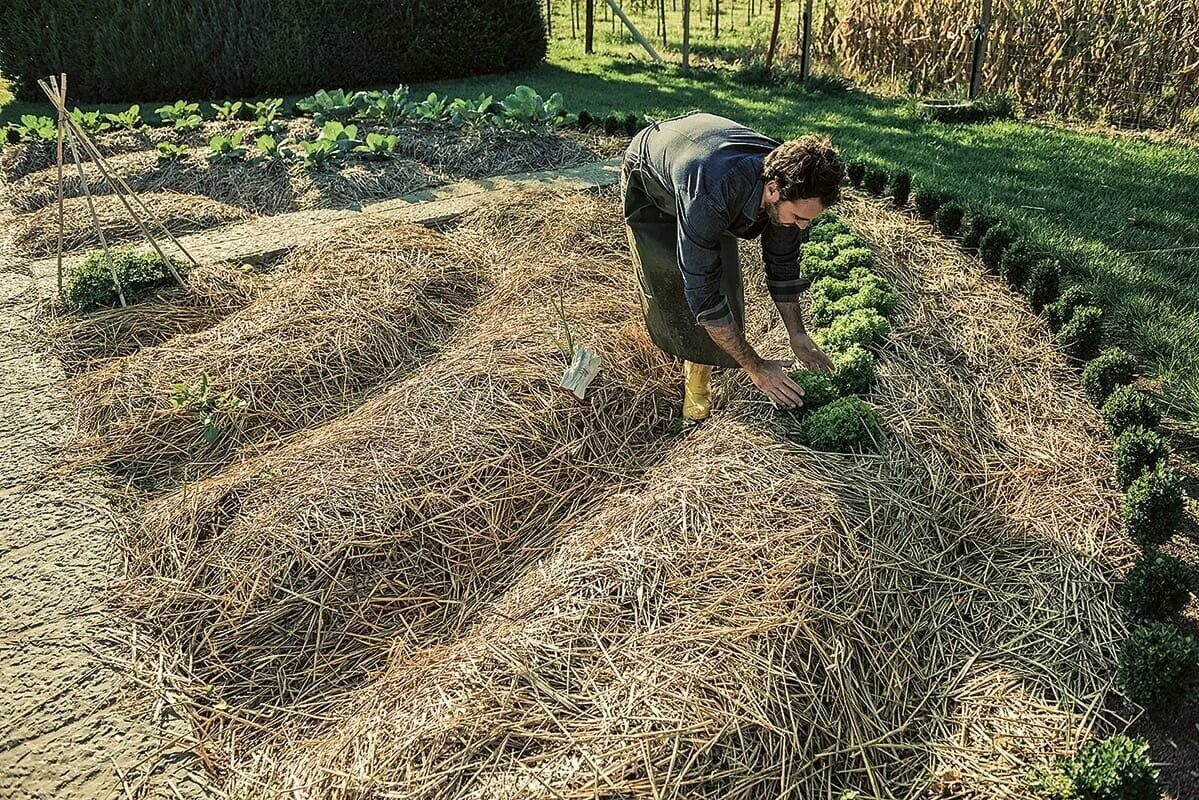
pixel 468 585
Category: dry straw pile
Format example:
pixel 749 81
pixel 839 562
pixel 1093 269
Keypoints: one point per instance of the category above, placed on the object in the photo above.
pixel 36 234
pixel 369 300
pixel 470 586
pixel 288 577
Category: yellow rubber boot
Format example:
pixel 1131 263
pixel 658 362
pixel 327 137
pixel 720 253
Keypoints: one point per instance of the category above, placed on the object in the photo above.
pixel 697 391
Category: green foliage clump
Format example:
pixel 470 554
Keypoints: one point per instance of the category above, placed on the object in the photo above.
pixel 948 218
pixel 853 369
pixel 1043 283
pixel 901 187
pixel 928 200
pixel 170 152
pixel 89 284
pixel 632 124
pixel 1081 337
pixel 1156 588
pixel 862 327
pixel 976 227
pixel 1116 768
pixel 875 181
pixel 1129 407
pixel 206 404
pixel 843 261
pixel 993 243
pixel 1138 450
pixel 843 425
pixel 1158 668
pixel 130 119
pixel 585 121
pixel 1016 263
pixel 1061 310
pixel 613 125
pixel 818 388
pixel 1153 506
pixel 826 233
pixel 856 171
pixel 832 297
pixel 1111 368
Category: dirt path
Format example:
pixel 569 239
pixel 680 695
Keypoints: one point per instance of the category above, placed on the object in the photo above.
pixel 69 724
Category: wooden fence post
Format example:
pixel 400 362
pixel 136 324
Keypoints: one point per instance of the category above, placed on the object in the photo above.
pixel 805 58
pixel 980 49
pixel 589 29
pixel 686 34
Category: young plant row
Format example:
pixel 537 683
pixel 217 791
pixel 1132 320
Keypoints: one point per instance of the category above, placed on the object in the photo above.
pixel 524 110
pixel 334 142
pixel 1158 667
pixel 848 307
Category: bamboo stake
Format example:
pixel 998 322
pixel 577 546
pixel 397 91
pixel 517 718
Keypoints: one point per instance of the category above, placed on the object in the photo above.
pixel 124 193
pixel 91 207
pixel 63 88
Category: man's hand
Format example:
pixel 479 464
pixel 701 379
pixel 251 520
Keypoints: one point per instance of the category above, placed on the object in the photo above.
pixel 772 380
pixel 809 354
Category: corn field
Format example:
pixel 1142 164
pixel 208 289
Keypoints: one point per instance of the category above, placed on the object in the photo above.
pixel 1129 62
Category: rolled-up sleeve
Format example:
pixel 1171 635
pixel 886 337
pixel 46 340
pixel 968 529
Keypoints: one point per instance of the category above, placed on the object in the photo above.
pixel 780 255
pixel 702 221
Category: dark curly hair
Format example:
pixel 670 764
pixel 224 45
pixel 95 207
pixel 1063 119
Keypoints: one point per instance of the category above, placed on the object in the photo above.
pixel 806 167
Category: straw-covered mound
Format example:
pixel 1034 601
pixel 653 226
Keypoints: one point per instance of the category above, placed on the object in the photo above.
pixel 759 620
pixel 36 234
pixel 213 292
pixel 425 157
pixel 370 299
pixel 287 578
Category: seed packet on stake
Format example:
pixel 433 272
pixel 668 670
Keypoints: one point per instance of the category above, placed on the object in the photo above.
pixel 584 366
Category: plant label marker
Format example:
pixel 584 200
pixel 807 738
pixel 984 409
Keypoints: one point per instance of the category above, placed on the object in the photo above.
pixel 583 368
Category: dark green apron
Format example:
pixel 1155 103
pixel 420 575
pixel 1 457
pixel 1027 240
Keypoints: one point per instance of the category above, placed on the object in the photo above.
pixel 653 241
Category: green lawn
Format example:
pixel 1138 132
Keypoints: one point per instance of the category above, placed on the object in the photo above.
pixel 1098 202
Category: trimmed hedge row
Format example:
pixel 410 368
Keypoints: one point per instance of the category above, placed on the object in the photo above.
pixel 207 49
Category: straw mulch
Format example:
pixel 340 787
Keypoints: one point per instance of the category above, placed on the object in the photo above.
pixel 213 292
pixel 754 619
pixel 285 580
pixel 36 234
pixel 371 300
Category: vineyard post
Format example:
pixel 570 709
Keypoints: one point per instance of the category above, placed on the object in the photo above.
pixel 805 57
pixel 980 49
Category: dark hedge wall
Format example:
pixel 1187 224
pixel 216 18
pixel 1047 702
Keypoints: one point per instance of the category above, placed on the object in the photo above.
pixel 134 50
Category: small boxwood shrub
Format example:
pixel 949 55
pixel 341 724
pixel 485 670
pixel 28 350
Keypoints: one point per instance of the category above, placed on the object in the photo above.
pixel 1138 450
pixel 993 243
pixel 862 327
pixel 948 218
pixel 853 371
pixel 1158 668
pixel 875 181
pixel 1016 263
pixel 901 187
pixel 928 200
pixel 1116 768
pixel 1156 588
pixel 855 170
pixel 632 124
pixel 977 225
pixel 585 121
pixel 1129 407
pixel 1111 368
pixel 1042 285
pixel 1153 506
pixel 818 388
pixel 1081 336
pixel 845 424
pixel 1061 310
pixel 824 234
pixel 89 284
pixel 612 125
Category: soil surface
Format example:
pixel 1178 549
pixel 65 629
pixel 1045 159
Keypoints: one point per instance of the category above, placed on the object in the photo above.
pixel 72 726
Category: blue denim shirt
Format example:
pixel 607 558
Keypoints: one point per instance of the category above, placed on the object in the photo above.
pixel 712 169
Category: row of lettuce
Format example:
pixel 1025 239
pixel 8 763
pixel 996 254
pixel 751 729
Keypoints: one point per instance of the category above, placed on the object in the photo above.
pixel 1158 667
pixel 849 305
pixel 350 124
